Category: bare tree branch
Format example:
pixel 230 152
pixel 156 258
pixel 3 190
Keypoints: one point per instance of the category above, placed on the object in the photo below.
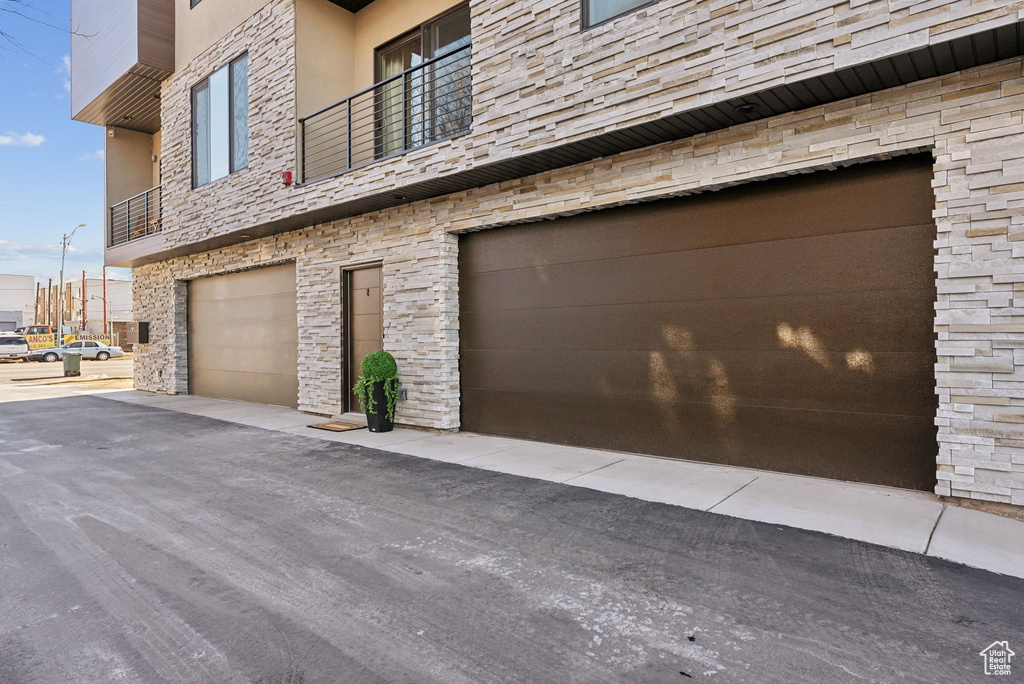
pixel 22 9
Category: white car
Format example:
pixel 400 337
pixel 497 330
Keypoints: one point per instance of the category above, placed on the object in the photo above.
pixel 88 349
pixel 13 346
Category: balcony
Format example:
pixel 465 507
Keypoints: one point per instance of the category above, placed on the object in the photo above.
pixel 425 104
pixel 136 217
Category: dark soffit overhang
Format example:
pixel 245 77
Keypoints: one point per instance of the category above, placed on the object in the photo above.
pixel 352 5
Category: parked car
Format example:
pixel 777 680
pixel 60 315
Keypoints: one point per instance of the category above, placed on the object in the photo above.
pixel 35 330
pixel 90 350
pixel 13 346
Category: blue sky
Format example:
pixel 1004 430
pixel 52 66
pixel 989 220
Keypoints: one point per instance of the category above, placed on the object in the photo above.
pixel 51 168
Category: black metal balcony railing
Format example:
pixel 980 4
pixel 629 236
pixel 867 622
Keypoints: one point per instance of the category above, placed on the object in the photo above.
pixel 423 105
pixel 136 217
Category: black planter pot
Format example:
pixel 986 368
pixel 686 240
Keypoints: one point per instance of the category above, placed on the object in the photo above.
pixel 378 420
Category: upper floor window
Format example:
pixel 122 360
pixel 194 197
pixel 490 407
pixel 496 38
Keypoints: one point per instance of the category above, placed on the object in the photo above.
pixel 220 123
pixel 422 94
pixel 599 11
pixel 428 103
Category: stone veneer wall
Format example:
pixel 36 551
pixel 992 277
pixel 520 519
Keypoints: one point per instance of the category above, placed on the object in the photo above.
pixel 539 81
pixel 972 122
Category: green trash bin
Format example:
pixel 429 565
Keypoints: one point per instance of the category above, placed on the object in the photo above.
pixel 72 364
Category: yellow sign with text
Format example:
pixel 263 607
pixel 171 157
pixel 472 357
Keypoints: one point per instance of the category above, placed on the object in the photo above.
pixel 50 341
pixel 87 337
pixel 41 341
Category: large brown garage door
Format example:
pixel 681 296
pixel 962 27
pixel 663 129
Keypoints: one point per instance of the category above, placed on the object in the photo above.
pixel 243 336
pixel 784 325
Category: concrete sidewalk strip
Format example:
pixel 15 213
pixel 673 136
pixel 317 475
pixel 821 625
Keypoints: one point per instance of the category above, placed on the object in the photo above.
pixel 980 540
pixel 455 448
pixel 884 516
pixel 551 462
pixel 125 396
pixel 306 431
pixel 878 515
pixel 268 422
pixel 173 402
pixel 272 418
pixel 254 415
pixel 194 407
pixel 210 405
pixel 679 483
pixel 376 440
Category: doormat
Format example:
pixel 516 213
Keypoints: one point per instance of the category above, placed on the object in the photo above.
pixel 337 427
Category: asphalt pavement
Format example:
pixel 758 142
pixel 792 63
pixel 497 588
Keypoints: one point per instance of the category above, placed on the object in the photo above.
pixel 142 545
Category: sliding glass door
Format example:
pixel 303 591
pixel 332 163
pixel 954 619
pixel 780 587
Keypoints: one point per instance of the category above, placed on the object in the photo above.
pixel 448 96
pixel 416 106
pixel 398 97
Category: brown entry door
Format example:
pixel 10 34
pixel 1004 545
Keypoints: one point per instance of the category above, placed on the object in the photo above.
pixel 364 330
pixel 784 325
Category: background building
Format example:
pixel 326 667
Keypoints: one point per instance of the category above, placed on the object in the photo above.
pixel 24 302
pixel 119 304
pixel 17 301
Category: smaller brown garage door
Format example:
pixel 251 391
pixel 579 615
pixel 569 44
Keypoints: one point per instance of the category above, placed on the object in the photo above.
pixel 243 336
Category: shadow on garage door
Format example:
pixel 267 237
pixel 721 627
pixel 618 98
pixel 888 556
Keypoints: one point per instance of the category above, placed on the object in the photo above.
pixel 784 325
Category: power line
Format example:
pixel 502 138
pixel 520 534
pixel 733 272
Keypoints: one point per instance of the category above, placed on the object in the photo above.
pixel 41 211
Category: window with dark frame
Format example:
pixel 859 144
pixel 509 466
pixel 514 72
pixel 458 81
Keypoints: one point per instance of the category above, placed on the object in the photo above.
pixel 220 123
pixel 599 11
pixel 428 103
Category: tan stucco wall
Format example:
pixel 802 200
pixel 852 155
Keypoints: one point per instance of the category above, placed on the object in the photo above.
pixel 198 28
pixel 384 20
pixel 334 48
pixel 155 148
pixel 128 167
pixel 323 54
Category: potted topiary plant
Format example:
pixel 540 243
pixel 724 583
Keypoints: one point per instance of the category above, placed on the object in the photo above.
pixel 377 389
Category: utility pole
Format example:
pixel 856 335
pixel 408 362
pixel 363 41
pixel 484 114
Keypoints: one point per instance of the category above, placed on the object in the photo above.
pixel 84 299
pixel 49 301
pixel 37 318
pixel 105 331
pixel 65 241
